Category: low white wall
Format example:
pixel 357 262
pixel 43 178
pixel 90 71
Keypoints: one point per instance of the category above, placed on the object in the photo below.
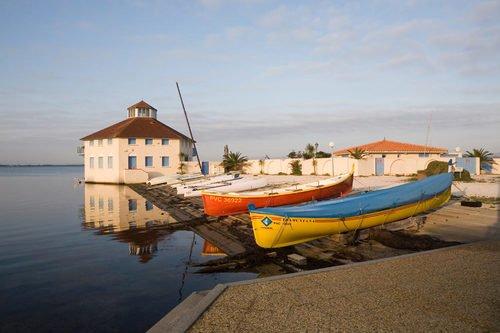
pixel 495 168
pixel 364 167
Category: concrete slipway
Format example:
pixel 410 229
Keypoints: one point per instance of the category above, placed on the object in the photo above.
pixel 449 289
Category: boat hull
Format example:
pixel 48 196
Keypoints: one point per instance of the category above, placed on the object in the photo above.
pixel 224 204
pixel 272 231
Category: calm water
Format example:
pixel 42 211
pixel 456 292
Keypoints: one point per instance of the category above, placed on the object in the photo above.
pixel 90 257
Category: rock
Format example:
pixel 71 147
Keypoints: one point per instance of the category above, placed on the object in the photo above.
pixel 297 259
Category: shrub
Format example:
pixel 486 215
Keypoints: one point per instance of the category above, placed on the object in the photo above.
pixel 437 167
pixel 296 167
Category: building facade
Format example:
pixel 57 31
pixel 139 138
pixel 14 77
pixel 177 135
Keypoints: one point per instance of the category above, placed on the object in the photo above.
pixel 135 149
pixel 393 149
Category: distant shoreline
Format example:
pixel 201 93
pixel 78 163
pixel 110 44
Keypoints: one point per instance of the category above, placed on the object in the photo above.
pixel 38 165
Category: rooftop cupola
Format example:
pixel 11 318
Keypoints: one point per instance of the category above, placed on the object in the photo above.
pixel 141 109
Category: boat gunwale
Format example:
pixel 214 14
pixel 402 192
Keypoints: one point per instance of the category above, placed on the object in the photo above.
pixel 264 195
pixel 333 219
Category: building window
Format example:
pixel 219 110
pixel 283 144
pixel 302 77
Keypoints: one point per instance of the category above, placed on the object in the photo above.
pixel 110 204
pixel 164 142
pixel 99 142
pixel 132 162
pixel 110 141
pixel 148 141
pixel 101 203
pixel 423 155
pixel 165 161
pixel 131 141
pixel 100 162
pixel 132 205
pixel 91 143
pixel 110 162
pixel 148 161
pixel 149 205
pixel 91 162
pixel 92 202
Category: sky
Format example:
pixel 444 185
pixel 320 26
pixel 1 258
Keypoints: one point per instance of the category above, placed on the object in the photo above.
pixel 264 77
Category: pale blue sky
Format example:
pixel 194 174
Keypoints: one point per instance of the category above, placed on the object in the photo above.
pixel 264 77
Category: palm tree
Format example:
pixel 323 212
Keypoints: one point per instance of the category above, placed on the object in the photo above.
pixel 261 164
pixel 309 151
pixel 234 161
pixel 315 164
pixel 357 153
pixel 485 157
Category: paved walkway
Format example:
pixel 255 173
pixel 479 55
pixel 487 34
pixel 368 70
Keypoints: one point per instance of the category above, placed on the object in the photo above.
pixel 453 289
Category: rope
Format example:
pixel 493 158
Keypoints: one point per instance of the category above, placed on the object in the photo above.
pixel 281 230
pixel 394 205
pixel 361 183
pixel 463 191
pixel 184 274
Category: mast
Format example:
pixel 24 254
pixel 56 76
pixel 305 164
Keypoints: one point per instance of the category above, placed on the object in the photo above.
pixel 189 126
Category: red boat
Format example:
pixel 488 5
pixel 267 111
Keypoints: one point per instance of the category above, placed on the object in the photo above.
pixel 222 204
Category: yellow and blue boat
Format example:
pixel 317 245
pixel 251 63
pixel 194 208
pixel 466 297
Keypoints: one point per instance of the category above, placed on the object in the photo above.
pixel 288 225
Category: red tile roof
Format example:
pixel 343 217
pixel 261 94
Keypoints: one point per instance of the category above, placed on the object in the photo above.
pixel 141 105
pixel 139 127
pixel 388 146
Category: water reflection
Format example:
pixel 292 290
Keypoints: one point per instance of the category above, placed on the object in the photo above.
pixel 210 249
pixel 118 210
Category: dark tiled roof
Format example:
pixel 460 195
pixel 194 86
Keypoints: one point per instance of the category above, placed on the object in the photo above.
pixel 139 127
pixel 387 146
pixel 141 105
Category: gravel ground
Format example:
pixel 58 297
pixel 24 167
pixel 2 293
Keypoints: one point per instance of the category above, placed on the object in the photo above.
pixel 453 289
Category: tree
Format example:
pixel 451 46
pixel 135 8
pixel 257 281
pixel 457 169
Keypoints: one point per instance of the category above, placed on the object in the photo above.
pixel 357 153
pixel 308 151
pixel 296 167
pixel 322 154
pixel 315 164
pixel 234 161
pixel 182 165
pixel 485 157
pixel 292 154
pixel 261 164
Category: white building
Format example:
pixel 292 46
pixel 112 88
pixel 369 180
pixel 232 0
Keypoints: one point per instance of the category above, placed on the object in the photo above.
pixel 135 149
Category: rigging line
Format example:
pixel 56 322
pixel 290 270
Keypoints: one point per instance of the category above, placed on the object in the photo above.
pixel 184 274
pixel 394 205
pixel 361 183
pixel 462 191
pixel 189 126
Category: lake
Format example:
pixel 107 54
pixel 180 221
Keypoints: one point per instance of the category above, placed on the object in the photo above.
pixel 91 257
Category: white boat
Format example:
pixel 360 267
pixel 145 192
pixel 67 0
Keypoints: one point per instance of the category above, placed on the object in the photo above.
pixel 242 184
pixel 197 184
pixel 173 179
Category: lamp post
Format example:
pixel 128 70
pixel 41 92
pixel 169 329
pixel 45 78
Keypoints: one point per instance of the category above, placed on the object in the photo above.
pixel 331 145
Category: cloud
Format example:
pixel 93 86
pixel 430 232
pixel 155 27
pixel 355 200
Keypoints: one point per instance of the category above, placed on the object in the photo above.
pixel 218 3
pixel 221 125
pixel 233 34
pixel 487 11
